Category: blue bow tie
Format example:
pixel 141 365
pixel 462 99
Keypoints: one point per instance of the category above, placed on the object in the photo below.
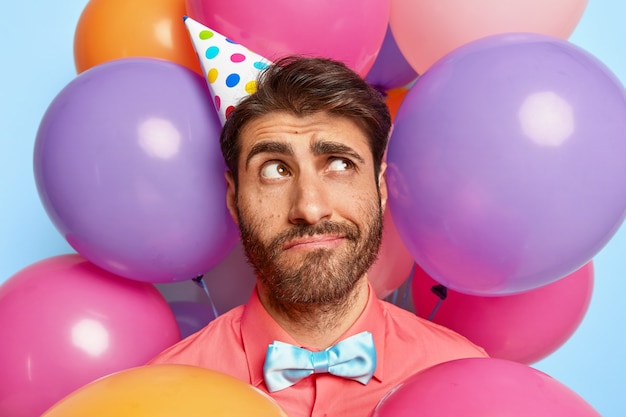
pixel 352 358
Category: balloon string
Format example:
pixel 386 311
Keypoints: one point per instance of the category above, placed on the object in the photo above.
pixel 199 280
pixel 441 292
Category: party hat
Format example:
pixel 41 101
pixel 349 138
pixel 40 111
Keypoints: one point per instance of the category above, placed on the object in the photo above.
pixel 231 69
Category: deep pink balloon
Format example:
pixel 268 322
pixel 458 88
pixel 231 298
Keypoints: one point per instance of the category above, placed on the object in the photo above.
pixel 128 166
pixel 480 387
pixel 523 327
pixel 65 322
pixel 349 31
pixel 506 164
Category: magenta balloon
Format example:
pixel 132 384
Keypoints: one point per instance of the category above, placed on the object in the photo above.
pixel 129 169
pixel 65 322
pixel 506 164
pixel 349 31
pixel 390 69
pixel 479 387
pixel 523 327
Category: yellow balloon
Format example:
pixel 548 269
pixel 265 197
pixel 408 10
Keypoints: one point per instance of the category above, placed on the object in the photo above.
pixel 165 391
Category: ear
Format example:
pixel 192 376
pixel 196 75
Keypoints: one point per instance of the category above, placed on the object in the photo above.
pixel 231 196
pixel 382 185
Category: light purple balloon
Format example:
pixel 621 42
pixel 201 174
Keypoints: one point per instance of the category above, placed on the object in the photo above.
pixel 507 163
pixel 390 70
pixel 128 167
pixel 191 316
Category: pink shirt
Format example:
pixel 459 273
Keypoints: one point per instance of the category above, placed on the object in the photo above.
pixel 236 343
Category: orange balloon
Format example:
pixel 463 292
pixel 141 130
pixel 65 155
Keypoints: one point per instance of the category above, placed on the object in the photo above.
pixel 394 100
pixel 113 29
pixel 165 391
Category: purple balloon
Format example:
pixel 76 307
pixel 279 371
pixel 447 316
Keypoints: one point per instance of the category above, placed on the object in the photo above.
pixel 507 163
pixel 128 167
pixel 390 70
pixel 191 316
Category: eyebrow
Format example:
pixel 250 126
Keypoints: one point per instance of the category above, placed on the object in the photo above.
pixel 269 147
pixel 324 147
pixel 320 147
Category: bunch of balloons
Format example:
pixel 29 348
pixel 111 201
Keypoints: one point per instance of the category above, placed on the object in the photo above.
pixel 128 168
pixel 504 169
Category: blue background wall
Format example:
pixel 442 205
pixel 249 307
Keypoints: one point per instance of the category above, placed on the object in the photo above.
pixel 36 39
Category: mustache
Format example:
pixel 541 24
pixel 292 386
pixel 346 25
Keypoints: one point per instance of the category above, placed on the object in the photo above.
pixel 349 231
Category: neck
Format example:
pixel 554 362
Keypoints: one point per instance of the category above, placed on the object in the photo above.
pixel 318 326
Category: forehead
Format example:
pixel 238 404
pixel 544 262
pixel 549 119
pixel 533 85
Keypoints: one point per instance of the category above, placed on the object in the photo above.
pixel 286 127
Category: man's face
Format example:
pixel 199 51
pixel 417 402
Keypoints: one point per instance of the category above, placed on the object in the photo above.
pixel 308 205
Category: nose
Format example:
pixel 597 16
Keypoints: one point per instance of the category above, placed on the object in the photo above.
pixel 310 200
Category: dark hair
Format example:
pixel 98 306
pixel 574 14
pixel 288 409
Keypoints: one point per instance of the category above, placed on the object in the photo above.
pixel 303 86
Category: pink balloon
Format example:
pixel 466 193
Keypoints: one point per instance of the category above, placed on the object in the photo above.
pixel 65 322
pixel 523 327
pixel 480 387
pixel 394 262
pixel 349 31
pixel 426 30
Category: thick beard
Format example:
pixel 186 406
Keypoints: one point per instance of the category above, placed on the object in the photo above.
pixel 322 278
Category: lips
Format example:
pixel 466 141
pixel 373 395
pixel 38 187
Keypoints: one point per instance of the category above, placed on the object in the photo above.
pixel 314 242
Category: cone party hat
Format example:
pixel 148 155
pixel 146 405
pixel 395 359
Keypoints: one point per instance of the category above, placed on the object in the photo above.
pixel 231 69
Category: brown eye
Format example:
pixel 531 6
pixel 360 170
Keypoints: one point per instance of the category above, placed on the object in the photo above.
pixel 274 170
pixel 340 164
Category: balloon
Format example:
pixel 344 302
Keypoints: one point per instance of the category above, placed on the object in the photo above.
pixel 394 99
pixel 506 164
pixel 390 69
pixel 191 316
pixel 523 327
pixel 348 31
pixel 394 262
pixel 65 322
pixel 229 284
pixel 113 29
pixel 128 167
pixel 232 281
pixel 165 391
pixel 478 387
pixel 425 30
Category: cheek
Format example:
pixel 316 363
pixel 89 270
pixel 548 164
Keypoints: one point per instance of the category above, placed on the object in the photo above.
pixel 261 208
pixel 358 206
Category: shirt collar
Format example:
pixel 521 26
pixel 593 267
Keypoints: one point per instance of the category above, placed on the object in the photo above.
pixel 259 330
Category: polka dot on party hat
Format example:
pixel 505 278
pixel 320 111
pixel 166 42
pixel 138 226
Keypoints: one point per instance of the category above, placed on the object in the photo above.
pixel 231 69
